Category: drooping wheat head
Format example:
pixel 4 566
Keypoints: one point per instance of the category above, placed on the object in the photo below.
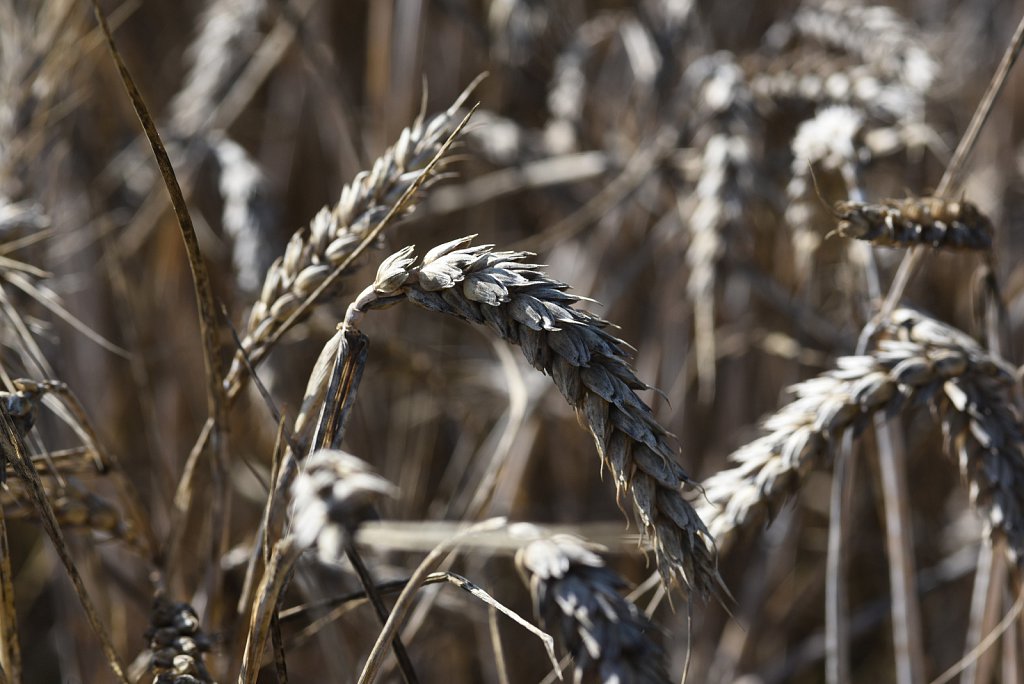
pixel 525 307
pixel 576 596
pixel 918 361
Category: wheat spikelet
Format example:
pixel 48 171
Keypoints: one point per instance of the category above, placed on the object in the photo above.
pixel 577 596
pixel 921 360
pixel 178 644
pixel 332 235
pixel 525 307
pixel 934 221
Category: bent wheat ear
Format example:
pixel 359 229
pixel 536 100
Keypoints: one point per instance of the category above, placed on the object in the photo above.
pixel 577 596
pixel 525 307
pixel 919 360
pixel 332 235
pixel 933 221
pixel 981 424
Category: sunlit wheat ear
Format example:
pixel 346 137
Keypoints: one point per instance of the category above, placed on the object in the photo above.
pixel 981 424
pixel 919 361
pixel 830 141
pixel 576 596
pixel 876 34
pixel 229 32
pixel 178 644
pixel 332 494
pixel 330 497
pixel 248 216
pixel 522 305
pixel 716 207
pixel 933 221
pixel 812 77
pixel 332 235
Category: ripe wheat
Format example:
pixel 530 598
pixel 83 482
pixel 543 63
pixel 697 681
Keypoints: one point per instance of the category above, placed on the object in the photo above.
pixel 920 360
pixel 523 306
pixel 933 221
pixel 577 596
pixel 332 235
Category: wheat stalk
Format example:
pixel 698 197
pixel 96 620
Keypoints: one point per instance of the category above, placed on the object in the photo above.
pixel 577 596
pixel 522 305
pixel 919 360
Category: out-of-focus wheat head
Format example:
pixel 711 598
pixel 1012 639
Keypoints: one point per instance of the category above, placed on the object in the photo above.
pixel 314 252
pixel 577 596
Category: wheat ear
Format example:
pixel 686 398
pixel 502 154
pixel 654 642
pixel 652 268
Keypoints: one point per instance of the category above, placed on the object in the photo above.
pixel 329 499
pixel 229 32
pixel 332 235
pixel 178 643
pixel 918 360
pixel 876 34
pixel 525 307
pixel 932 221
pixel 577 596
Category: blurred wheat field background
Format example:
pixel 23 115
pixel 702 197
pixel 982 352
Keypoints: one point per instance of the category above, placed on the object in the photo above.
pixel 728 384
